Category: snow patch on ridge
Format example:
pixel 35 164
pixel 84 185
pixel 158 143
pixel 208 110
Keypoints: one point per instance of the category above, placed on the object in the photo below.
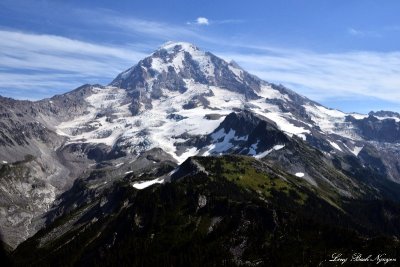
pixel 145 184
pixel 356 150
pixel 188 153
pixel 397 119
pixel 308 178
pixel 253 148
pixel 265 153
pixel 224 144
pixel 334 145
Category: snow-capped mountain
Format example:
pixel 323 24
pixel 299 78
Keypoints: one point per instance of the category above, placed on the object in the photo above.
pixel 181 91
pixel 181 102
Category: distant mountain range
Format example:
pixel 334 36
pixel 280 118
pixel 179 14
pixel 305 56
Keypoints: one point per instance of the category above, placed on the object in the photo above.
pixel 188 159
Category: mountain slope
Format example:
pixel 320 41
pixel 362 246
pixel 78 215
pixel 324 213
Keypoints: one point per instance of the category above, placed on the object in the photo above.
pixel 229 210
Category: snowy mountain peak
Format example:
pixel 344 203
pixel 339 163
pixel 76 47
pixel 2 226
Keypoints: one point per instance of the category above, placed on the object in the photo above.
pixel 180 57
pixel 179 46
pixel 177 65
pixel 179 92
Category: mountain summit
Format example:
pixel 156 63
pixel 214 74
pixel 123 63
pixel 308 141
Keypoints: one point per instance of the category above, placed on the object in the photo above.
pixel 174 64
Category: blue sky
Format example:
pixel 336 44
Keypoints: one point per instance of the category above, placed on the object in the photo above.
pixel 344 54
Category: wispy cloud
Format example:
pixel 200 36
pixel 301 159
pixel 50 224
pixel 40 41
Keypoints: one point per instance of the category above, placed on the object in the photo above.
pixel 228 21
pixel 323 76
pixel 134 26
pixel 46 62
pixel 363 33
pixel 202 21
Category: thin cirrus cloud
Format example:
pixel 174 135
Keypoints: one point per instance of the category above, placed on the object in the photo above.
pixel 41 65
pixel 363 33
pixel 202 21
pixel 326 76
pixel 134 26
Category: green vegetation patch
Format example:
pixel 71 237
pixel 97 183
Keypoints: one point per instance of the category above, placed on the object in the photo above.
pixel 252 175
